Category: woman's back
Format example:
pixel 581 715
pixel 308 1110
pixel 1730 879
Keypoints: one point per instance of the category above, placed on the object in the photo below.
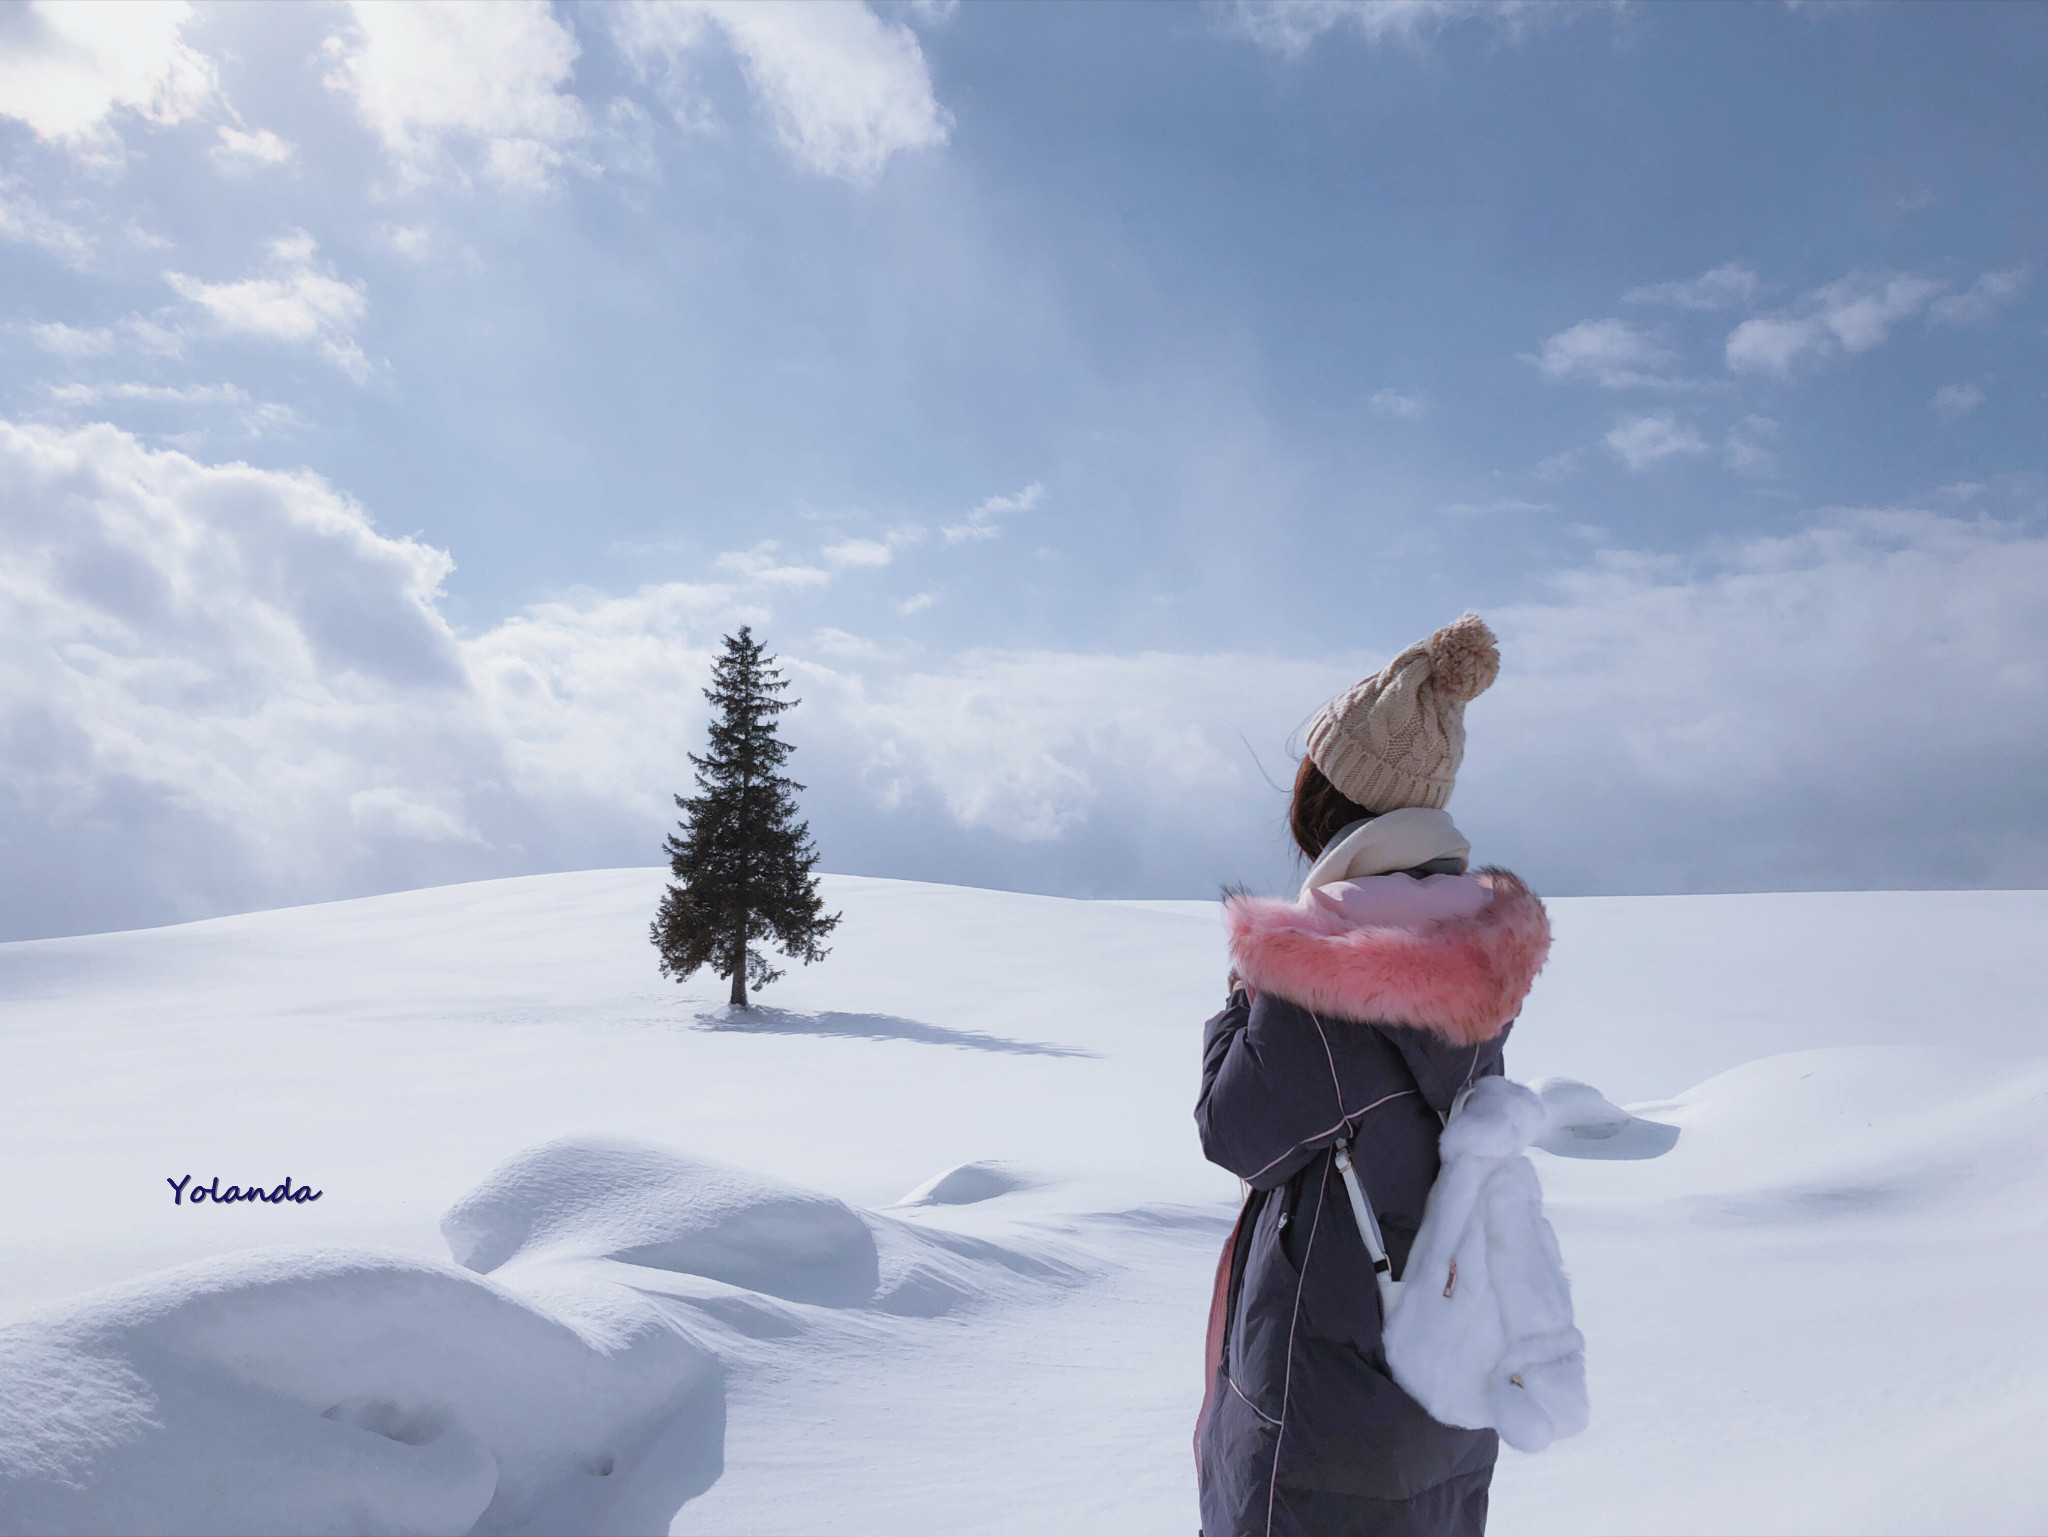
pixel 1356 1013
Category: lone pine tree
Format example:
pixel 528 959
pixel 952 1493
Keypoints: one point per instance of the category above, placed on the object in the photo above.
pixel 741 859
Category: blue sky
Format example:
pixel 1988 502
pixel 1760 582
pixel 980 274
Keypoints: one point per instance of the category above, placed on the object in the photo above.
pixel 397 404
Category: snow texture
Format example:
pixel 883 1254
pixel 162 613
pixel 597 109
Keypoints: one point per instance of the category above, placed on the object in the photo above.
pixel 600 1198
pixel 334 1390
pixel 1809 1291
pixel 964 1184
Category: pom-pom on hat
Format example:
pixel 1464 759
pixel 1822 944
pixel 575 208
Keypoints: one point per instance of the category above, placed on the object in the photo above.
pixel 1397 738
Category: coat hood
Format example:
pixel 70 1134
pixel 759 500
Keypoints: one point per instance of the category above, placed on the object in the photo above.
pixel 1462 977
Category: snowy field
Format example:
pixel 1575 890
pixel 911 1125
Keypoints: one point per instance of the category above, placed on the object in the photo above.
pixel 925 1246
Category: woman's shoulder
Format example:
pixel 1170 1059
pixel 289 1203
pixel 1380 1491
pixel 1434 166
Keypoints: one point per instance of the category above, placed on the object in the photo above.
pixel 1457 961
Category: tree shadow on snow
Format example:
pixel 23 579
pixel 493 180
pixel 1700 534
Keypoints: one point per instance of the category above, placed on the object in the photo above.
pixel 760 1020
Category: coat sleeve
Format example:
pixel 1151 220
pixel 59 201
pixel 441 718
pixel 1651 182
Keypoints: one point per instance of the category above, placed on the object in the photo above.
pixel 1277 1087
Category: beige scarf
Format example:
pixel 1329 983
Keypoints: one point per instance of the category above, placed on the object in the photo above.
pixel 1394 840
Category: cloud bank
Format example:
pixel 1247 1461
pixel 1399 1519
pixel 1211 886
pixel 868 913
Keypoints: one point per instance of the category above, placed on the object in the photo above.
pixel 222 687
pixel 1862 703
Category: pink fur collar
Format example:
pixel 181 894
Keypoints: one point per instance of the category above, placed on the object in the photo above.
pixel 1463 978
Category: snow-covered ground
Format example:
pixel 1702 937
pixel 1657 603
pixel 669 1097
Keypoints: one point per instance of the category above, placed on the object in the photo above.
pixel 590 1255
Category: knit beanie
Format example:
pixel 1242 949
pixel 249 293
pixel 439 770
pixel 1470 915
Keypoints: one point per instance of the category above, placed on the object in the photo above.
pixel 1397 738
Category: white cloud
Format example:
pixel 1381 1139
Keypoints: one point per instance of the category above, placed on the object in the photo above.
pixel 985 521
pixel 1747 448
pixel 413 244
pixel 145 240
pixel 1859 703
pixel 484 77
pixel 198 666
pixel 836 642
pixel 1559 465
pixel 1861 309
pixel 859 552
pixel 153 337
pixel 70 65
pixel 259 148
pixel 1030 745
pixel 1506 504
pixel 68 341
pixel 845 89
pixel 764 564
pixel 169 394
pixel 1862 702
pixel 917 604
pixel 1953 400
pixel 222 687
pixel 1727 286
pixel 1642 441
pixel 391 813
pixel 1772 344
pixel 1611 353
pixel 1852 314
pixel 593 703
pixel 255 417
pixel 24 221
pixel 1291 27
pixel 297 304
pixel 71 341
pixel 1981 300
pixel 1402 406
pixel 270 416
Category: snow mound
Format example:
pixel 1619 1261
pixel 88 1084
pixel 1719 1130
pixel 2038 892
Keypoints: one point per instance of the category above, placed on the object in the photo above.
pixel 1581 1122
pixel 344 1391
pixel 966 1183
pixel 604 1198
pixel 578 1387
pixel 1863 1131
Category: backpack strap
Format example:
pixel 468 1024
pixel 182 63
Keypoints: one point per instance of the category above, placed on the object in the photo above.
pixel 1368 1229
pixel 1368 1224
pixel 1361 1205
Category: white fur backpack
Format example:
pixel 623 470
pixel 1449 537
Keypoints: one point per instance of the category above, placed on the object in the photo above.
pixel 1479 1328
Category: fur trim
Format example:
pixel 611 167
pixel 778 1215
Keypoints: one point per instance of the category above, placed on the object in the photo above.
pixel 1464 979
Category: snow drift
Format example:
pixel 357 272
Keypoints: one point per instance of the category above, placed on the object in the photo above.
pixel 967 1183
pixel 603 1198
pixel 524 1388
pixel 329 1391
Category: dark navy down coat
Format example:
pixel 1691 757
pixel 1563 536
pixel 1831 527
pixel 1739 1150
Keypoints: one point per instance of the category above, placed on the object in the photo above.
pixel 1366 1034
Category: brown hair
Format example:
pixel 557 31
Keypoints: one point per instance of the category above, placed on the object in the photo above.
pixel 1320 810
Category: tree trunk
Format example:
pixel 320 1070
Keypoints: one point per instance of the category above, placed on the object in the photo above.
pixel 739 979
